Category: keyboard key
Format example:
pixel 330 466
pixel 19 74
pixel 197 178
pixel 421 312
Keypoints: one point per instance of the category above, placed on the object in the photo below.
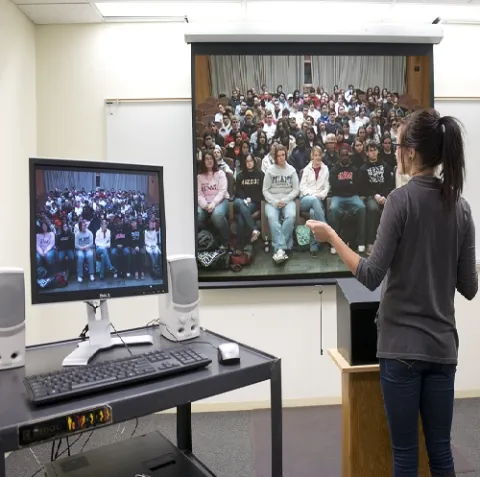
pixel 69 383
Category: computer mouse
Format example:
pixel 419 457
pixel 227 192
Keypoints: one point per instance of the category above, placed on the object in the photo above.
pixel 229 353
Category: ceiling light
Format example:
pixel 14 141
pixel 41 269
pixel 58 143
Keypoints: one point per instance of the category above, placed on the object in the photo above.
pixel 192 10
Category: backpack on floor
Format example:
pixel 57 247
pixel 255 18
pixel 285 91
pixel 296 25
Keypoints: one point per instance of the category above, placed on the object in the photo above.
pixel 214 260
pixel 302 238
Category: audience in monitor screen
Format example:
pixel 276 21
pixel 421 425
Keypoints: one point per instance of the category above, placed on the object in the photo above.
pixel 94 237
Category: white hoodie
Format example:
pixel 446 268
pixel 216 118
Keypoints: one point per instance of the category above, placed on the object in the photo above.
pixel 318 187
pixel 103 239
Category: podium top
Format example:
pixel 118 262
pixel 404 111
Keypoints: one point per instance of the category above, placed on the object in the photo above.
pixel 355 292
pixel 344 367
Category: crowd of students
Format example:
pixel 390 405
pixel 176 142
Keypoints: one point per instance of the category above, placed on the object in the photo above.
pixel 98 232
pixel 335 152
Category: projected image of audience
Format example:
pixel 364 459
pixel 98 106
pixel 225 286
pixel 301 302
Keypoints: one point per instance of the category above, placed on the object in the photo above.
pixel 96 230
pixel 281 140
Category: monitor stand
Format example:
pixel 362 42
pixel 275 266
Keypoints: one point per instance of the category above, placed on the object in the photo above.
pixel 99 336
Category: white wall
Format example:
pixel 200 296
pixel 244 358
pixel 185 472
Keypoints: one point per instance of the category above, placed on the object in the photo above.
pixel 77 68
pixel 455 73
pixel 17 129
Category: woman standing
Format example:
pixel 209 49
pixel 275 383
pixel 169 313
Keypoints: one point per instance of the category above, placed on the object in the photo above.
pixel 417 335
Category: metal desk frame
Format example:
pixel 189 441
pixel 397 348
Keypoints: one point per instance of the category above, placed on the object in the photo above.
pixel 147 398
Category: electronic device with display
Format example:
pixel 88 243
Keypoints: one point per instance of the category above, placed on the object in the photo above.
pixel 97 232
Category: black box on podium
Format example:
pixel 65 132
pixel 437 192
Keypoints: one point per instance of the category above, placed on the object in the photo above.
pixel 356 329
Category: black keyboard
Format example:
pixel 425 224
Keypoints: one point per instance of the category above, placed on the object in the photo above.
pixel 73 382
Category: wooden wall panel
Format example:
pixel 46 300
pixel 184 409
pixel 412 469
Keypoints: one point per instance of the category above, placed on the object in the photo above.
pixel 418 79
pixel 203 82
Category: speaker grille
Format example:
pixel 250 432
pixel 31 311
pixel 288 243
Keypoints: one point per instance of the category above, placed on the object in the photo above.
pixel 12 299
pixel 184 281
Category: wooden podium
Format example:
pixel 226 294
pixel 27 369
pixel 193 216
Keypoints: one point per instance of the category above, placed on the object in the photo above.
pixel 366 448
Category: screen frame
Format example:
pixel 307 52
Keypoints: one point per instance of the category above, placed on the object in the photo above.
pixel 88 295
pixel 290 49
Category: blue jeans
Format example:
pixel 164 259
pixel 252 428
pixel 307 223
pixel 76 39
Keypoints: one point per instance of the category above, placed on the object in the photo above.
pixel 313 205
pixel 137 260
pixel 105 261
pixel 245 222
pixel 219 220
pixel 374 212
pixel 409 387
pixel 281 232
pixel 69 255
pixel 154 254
pixel 48 260
pixel 120 258
pixel 341 206
pixel 81 256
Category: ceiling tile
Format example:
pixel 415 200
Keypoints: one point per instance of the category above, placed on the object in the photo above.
pixel 62 13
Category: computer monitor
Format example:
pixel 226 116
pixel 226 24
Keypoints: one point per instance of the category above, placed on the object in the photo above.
pixel 97 231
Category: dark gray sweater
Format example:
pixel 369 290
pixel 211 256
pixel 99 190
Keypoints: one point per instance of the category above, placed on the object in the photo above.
pixel 425 253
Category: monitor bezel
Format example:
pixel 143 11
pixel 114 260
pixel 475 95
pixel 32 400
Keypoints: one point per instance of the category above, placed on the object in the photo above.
pixel 104 293
pixel 291 49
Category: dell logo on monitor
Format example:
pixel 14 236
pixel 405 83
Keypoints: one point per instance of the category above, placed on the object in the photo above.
pixel 104 295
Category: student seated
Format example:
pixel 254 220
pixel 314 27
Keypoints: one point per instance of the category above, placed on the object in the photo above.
pixel 151 244
pixel 330 157
pixel 45 247
pixel 314 188
pixel 213 198
pixel 137 254
pixel 345 199
pixel 280 189
pixel 375 183
pixel 84 248
pixel 300 156
pixel 65 243
pixel 103 242
pixel 248 199
pixel 121 247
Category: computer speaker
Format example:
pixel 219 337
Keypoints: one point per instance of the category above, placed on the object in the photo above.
pixel 12 318
pixel 180 320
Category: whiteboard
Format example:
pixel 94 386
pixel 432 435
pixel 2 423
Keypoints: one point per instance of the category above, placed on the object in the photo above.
pixel 159 133
pixel 468 113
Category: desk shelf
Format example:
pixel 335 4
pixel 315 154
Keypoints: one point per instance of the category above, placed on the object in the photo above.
pixel 145 398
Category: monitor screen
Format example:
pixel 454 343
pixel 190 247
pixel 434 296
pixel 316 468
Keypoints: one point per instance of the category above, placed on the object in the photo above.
pixel 97 230
pixel 282 138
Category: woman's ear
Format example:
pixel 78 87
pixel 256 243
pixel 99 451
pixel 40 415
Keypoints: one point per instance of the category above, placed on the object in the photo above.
pixel 411 153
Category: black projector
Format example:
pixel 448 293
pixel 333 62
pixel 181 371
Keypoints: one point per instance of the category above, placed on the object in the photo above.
pixel 356 329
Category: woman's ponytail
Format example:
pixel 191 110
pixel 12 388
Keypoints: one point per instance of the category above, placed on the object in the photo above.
pixel 452 158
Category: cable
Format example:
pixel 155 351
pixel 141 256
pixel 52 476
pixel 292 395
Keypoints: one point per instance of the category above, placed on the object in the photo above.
pixel 68 447
pixel 137 422
pixel 320 292
pixel 86 441
pixel 121 339
pixel 71 445
pixel 58 448
pixel 52 452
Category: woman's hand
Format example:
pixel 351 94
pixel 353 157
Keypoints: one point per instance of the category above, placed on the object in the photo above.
pixel 321 230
